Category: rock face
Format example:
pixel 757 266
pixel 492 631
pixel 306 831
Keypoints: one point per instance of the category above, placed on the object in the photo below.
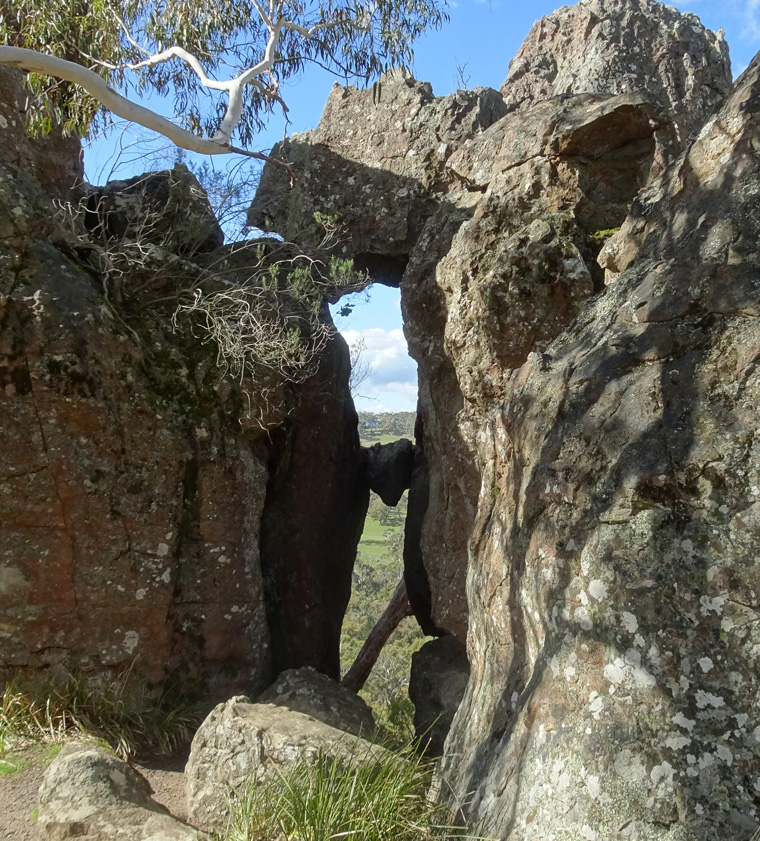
pixel 241 742
pixel 495 223
pixel 134 486
pixel 88 792
pixel 311 693
pixel 53 161
pixel 118 541
pixel 317 498
pixel 437 684
pixel 620 46
pixel 585 487
pixel 622 694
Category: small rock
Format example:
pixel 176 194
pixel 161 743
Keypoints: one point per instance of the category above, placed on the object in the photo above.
pixel 389 469
pixel 91 794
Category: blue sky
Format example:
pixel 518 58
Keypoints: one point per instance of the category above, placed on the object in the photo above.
pixel 480 38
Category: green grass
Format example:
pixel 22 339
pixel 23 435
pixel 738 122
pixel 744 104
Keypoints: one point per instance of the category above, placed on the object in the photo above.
pixel 374 795
pixel 380 439
pixel 10 764
pixel 373 542
pixel 125 715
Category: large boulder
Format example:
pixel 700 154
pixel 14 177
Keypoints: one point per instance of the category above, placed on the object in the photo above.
pixel 90 793
pixel 309 692
pixel 168 210
pixel 614 582
pixel 621 46
pixel 499 275
pixel 241 743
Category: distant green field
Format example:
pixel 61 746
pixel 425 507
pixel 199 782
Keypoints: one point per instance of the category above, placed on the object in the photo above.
pixel 380 439
pixel 372 542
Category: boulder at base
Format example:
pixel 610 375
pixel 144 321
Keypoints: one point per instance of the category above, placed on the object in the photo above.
pixel 437 683
pixel 310 692
pixel 91 794
pixel 241 742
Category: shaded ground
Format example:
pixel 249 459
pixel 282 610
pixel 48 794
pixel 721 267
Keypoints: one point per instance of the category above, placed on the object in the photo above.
pixel 18 790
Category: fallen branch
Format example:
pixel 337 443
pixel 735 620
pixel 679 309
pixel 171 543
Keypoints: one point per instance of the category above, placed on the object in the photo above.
pixel 398 609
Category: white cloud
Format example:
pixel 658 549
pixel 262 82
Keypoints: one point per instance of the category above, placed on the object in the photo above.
pixel 752 18
pixel 392 381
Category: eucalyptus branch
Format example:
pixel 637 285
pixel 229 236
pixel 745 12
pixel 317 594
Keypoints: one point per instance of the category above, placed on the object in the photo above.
pixel 95 85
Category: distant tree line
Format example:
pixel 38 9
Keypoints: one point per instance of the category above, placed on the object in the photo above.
pixel 375 424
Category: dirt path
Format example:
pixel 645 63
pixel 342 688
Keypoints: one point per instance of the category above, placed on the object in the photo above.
pixel 18 790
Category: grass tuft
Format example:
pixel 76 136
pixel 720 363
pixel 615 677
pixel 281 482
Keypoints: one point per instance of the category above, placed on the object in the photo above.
pixel 371 796
pixel 127 717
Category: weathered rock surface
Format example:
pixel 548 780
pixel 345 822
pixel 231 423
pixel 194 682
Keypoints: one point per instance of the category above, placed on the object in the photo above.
pixel 133 482
pixel 388 469
pixel 118 544
pixel 495 224
pixel 53 161
pixel 614 584
pixel 437 684
pixel 242 742
pixel 378 180
pixel 622 46
pixel 91 794
pixel 311 693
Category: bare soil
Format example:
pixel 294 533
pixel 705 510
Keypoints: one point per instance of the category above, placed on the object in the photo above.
pixel 19 789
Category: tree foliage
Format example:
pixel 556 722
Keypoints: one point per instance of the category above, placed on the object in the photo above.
pixel 187 50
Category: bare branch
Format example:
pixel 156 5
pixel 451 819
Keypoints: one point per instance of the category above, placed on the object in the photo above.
pixel 190 60
pixel 96 86
pixel 398 608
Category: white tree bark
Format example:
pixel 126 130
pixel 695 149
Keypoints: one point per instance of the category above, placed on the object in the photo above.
pixel 221 143
pixel 34 62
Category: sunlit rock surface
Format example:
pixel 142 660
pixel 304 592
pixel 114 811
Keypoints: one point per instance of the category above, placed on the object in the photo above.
pixel 138 484
pixel 585 488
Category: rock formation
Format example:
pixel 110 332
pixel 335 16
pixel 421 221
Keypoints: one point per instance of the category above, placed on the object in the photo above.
pixel 612 561
pixel 583 509
pixel 585 489
pixel 495 222
pixel 136 488
pixel 242 743
pixel 90 793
